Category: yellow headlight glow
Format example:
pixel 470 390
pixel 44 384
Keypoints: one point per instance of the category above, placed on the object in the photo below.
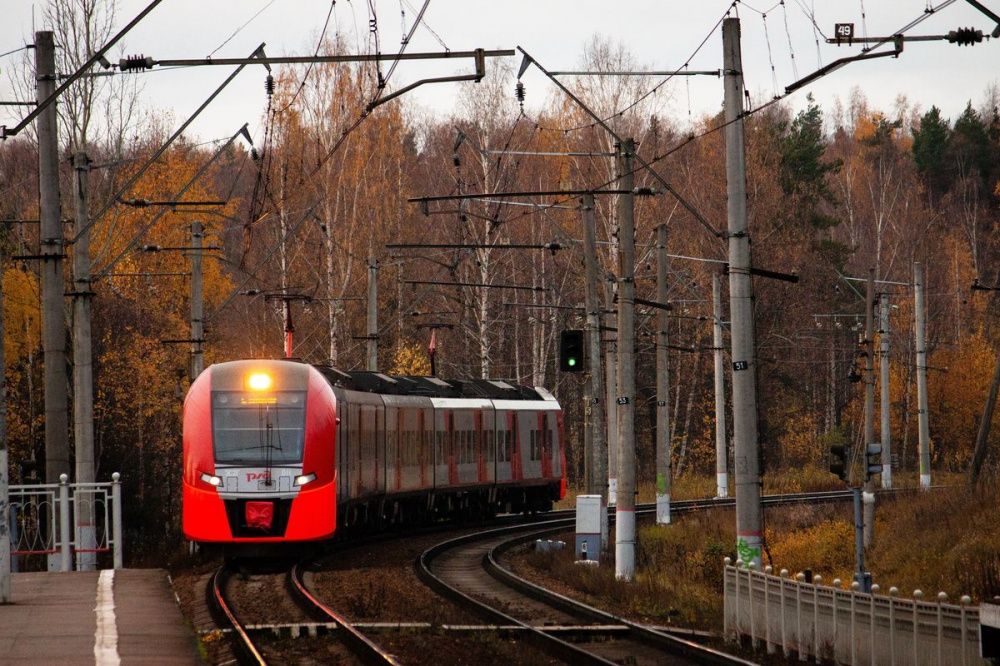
pixel 259 381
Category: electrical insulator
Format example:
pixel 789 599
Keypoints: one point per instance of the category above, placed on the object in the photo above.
pixel 136 62
pixel 269 85
pixel 965 36
pixel 254 155
pixel 519 92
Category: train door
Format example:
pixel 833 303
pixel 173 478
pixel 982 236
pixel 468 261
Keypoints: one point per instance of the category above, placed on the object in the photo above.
pixel 516 445
pixel 342 476
pixel 426 443
pixel 545 444
pixel 438 437
pixel 354 448
pixel 393 447
pixel 451 453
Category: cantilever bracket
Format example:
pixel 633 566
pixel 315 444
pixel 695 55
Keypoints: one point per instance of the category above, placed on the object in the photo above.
pixel 480 59
pixel 837 64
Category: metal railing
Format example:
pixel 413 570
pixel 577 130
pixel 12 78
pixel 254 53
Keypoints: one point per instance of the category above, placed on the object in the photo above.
pixel 40 515
pixel 825 622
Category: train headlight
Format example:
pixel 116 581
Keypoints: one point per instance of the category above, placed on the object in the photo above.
pixel 303 479
pixel 259 381
pixel 211 480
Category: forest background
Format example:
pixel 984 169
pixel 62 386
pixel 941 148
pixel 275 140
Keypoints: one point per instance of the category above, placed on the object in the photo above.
pixel 832 192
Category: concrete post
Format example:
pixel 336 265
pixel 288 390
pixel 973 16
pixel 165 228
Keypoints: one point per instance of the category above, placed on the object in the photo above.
pixel 611 393
pixel 920 333
pixel 597 458
pixel 197 301
pixel 371 340
pixel 83 371
pixel 721 450
pixel 625 505
pixel 884 407
pixel 745 454
pixel 53 291
pixel 662 384
pixel 869 432
pixel 5 521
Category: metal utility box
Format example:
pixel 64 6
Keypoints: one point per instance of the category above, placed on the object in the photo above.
pixel 588 527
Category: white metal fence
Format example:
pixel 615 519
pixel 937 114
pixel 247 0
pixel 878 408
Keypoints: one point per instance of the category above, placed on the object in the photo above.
pixel 58 520
pixel 844 625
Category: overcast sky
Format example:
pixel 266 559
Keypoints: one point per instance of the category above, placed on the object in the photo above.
pixel 661 35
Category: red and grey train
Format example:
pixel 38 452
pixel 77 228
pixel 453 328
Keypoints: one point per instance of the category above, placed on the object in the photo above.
pixel 283 452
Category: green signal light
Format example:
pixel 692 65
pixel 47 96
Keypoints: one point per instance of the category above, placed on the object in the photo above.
pixel 571 362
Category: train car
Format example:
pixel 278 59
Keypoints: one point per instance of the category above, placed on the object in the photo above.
pixel 279 452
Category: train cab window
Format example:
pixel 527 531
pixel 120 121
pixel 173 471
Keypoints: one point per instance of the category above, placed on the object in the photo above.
pixel 258 430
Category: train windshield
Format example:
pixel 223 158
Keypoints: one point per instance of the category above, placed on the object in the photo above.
pixel 255 429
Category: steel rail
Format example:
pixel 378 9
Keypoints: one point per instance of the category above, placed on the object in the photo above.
pixel 217 600
pixel 552 645
pixel 363 647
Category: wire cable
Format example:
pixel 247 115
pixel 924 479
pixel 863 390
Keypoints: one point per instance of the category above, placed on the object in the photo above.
pixel 645 95
pixel 788 34
pixel 237 31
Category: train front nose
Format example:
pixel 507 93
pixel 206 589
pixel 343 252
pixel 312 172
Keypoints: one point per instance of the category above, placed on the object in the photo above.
pixel 258 429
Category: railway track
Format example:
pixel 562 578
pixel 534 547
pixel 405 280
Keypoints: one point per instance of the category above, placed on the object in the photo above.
pixel 246 638
pixel 466 571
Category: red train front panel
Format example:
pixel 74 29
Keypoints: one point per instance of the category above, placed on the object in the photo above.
pixel 259 445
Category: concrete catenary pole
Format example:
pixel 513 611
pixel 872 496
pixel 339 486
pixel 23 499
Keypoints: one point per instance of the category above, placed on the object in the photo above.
pixel 721 450
pixel 371 339
pixel 869 433
pixel 4 480
pixel 597 472
pixel 884 407
pixel 53 291
pixel 745 455
pixel 611 393
pixel 83 369
pixel 51 245
pixel 625 505
pixel 920 333
pixel 197 301
pixel 662 384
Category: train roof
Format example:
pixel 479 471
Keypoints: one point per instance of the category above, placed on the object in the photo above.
pixel 432 387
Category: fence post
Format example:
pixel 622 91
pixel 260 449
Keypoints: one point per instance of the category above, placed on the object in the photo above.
pixel 736 617
pixel 893 591
pixel 781 586
pixel 965 600
pixel 64 547
pixel 854 633
pixel 833 609
pixel 726 604
pixel 799 579
pixel 917 596
pixel 768 645
pixel 817 581
pixel 753 620
pixel 941 598
pixel 871 626
pixel 116 517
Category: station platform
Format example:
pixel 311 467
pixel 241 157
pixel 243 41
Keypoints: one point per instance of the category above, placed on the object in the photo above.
pixel 105 618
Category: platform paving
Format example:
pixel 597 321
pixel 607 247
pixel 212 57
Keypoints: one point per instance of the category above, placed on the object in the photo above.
pixel 54 620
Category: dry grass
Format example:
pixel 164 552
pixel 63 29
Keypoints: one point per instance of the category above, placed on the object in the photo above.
pixel 944 540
